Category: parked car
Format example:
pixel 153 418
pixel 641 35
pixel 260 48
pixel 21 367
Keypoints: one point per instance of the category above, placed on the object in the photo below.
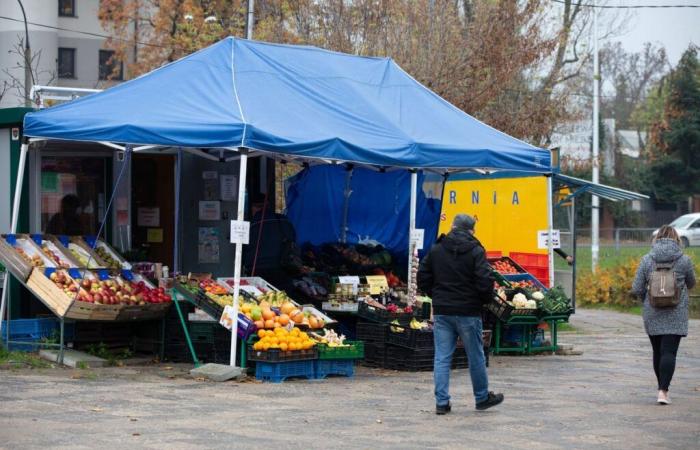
pixel 688 228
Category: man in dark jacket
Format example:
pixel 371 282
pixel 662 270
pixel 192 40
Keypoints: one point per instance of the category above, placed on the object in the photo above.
pixel 456 275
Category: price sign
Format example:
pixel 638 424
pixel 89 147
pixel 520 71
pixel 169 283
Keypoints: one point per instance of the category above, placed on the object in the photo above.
pixel 354 281
pixel 418 237
pixel 240 232
pixel 376 283
pixel 543 239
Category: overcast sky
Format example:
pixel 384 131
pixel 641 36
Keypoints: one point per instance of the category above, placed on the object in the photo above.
pixel 675 29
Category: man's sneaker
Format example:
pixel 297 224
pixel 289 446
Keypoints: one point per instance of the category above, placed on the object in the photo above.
pixel 492 400
pixel 441 410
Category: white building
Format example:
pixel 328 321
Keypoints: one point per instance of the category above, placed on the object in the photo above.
pixel 74 58
pixel 574 140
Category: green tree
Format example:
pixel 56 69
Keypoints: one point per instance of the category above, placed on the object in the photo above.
pixel 676 137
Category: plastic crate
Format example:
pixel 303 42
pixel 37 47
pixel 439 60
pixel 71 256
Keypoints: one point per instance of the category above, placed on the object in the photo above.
pixel 276 355
pixel 356 350
pixel 34 331
pixel 494 254
pixel 204 332
pixel 371 332
pixel 409 337
pixel 530 259
pixel 517 266
pixel 375 314
pixel 525 277
pixel 375 355
pixel 325 367
pixel 277 372
pixel 499 308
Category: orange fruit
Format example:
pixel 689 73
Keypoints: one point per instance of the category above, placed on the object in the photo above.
pixel 283 319
pixel 261 334
pixel 259 324
pixel 269 323
pixel 287 308
pixel 268 314
pixel 283 346
pixel 277 325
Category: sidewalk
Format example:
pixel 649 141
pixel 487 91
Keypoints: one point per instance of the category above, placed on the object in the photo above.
pixel 602 399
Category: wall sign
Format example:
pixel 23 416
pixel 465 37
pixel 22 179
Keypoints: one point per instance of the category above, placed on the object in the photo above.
pixel 240 232
pixel 148 217
pixel 209 210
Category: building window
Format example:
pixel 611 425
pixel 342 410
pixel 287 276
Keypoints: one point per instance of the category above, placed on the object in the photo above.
pixel 66 8
pixel 110 68
pixel 66 62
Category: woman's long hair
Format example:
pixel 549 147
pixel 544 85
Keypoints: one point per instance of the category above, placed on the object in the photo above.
pixel 667 232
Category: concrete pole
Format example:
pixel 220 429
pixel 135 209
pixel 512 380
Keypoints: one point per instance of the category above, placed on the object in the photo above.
pixel 595 201
pixel 239 254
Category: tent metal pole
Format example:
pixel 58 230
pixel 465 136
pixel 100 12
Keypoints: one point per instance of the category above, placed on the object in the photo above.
pixel 15 218
pixel 176 246
pixel 550 219
pixel 573 253
pixel 412 226
pixel 346 204
pixel 239 255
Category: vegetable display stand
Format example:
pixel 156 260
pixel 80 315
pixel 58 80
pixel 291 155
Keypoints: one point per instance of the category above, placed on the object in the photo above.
pixel 277 372
pixel 326 367
pixel 524 345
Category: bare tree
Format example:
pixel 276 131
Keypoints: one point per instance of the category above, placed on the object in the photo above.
pixel 16 82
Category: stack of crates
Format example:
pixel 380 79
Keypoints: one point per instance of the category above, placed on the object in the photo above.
pixel 31 332
pixel 535 264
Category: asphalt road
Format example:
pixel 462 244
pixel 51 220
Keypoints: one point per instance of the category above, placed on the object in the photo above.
pixel 604 398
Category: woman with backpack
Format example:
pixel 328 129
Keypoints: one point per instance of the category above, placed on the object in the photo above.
pixel 663 279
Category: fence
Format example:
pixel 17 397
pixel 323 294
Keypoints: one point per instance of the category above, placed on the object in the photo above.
pixel 610 237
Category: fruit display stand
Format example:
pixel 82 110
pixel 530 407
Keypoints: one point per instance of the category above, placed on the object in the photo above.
pixel 101 251
pixel 20 255
pixel 78 251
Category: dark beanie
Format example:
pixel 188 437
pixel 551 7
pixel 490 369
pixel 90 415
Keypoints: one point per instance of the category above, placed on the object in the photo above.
pixel 463 222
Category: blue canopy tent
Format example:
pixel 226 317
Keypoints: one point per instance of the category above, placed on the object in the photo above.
pixel 290 102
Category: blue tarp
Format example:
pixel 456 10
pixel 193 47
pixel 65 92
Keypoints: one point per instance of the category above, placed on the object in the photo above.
pixel 295 100
pixel 378 207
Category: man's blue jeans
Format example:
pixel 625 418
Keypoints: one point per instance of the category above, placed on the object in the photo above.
pixel 446 330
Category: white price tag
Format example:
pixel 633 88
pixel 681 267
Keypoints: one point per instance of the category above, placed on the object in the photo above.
pixel 418 237
pixel 543 239
pixel 240 232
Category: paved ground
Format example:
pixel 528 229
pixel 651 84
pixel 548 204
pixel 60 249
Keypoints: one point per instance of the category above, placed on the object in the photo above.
pixel 602 399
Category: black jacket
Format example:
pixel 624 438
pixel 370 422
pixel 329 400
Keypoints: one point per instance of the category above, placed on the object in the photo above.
pixel 456 275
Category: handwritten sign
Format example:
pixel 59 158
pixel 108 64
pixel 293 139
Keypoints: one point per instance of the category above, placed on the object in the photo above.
pixel 418 237
pixel 543 239
pixel 377 283
pixel 240 232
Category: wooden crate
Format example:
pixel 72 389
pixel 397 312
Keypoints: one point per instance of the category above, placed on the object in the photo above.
pixel 124 264
pixel 57 247
pixel 144 312
pixel 13 261
pixel 81 244
pixel 49 294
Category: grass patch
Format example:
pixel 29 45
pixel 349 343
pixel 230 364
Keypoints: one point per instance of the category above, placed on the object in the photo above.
pixel 567 328
pixel 113 358
pixel 26 359
pixel 608 257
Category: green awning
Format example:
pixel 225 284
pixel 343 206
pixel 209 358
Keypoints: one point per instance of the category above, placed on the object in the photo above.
pixel 579 186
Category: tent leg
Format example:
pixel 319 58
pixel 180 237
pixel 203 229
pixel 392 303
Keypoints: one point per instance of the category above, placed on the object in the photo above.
pixel 176 246
pixel 573 253
pixel 346 205
pixel 239 255
pixel 15 216
pixel 62 342
pixel 550 220
pixel 411 227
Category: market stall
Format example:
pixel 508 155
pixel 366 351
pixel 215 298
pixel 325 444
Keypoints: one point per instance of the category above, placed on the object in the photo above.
pixel 294 104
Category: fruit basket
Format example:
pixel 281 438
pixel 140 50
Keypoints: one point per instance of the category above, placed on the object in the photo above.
pixel 110 257
pixel 409 337
pixel 376 314
pixel 20 255
pixel 506 266
pixel 61 256
pixel 352 350
pixel 276 355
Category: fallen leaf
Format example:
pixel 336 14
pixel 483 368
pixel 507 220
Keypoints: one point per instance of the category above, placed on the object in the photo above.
pixel 97 409
pixel 136 434
pixel 200 379
pixel 168 368
pixel 134 420
pixel 379 420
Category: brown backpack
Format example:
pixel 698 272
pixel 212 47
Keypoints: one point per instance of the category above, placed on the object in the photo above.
pixel 664 291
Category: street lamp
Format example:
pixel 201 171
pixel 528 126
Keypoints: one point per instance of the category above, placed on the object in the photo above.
pixel 28 76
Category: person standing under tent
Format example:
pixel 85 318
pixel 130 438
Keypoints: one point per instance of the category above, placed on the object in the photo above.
pixel 665 325
pixel 456 275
